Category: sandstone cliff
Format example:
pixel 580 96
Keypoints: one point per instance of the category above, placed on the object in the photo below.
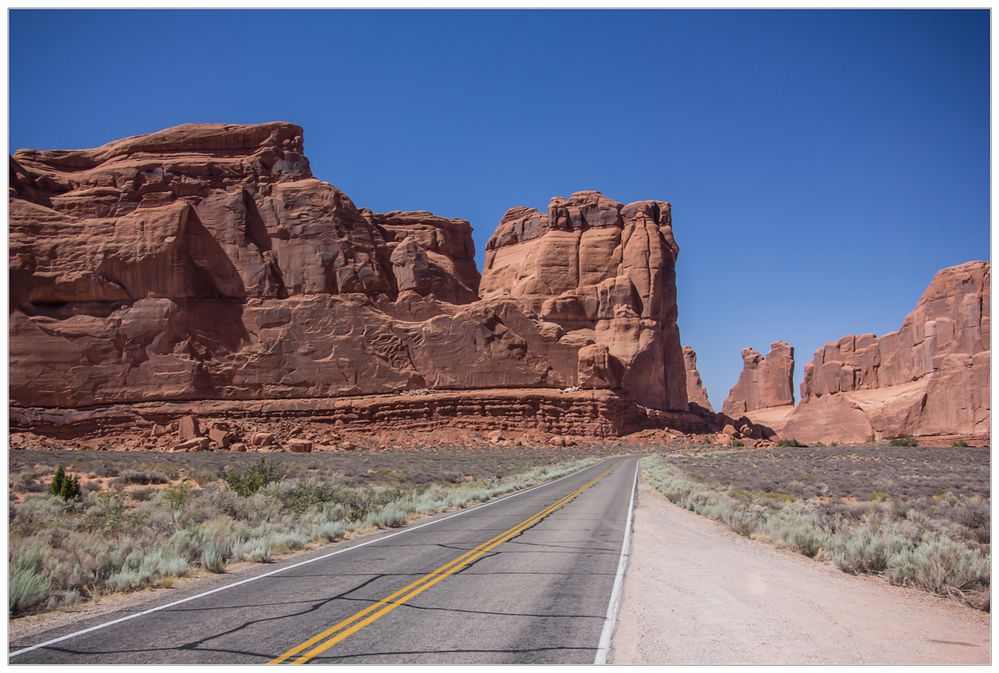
pixel 696 394
pixel 605 273
pixel 205 262
pixel 930 377
pixel 765 382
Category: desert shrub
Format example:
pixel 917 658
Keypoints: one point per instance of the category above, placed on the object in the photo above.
pixel 212 560
pixel 111 515
pixel 55 488
pixel 390 516
pixel 866 549
pixel 64 485
pixel 251 479
pixel 256 551
pixel 960 444
pixel 141 477
pixel 790 443
pixel 140 569
pixel 27 587
pixel 904 440
pixel 800 529
pixel 939 565
pixel 332 531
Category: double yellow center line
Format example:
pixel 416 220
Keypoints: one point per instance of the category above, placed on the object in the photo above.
pixel 340 631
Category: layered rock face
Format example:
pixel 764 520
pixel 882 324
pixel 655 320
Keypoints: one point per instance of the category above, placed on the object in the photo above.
pixel 206 262
pixel 930 377
pixel 765 382
pixel 602 273
pixel 696 394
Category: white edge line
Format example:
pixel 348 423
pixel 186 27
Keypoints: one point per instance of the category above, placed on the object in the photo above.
pixel 603 648
pixel 380 538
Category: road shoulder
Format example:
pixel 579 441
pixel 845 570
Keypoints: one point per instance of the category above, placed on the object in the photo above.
pixel 697 593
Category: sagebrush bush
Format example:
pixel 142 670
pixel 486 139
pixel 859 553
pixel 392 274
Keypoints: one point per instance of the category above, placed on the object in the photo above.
pixel 27 587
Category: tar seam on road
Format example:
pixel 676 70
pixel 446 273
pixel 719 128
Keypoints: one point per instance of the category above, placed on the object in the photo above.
pixel 143 613
pixel 342 630
pixel 603 649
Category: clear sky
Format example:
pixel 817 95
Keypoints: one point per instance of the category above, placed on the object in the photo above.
pixel 822 166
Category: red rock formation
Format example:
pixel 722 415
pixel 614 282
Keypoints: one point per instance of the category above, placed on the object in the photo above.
pixel 205 262
pixel 604 273
pixel 931 377
pixel 764 382
pixel 696 394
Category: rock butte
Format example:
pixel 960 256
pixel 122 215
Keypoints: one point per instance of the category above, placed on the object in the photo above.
pixel 205 262
pixel 765 381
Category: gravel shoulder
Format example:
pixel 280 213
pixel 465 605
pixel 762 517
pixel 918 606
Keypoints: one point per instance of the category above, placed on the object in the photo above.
pixel 697 593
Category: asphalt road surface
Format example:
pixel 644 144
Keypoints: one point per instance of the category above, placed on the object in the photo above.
pixel 526 579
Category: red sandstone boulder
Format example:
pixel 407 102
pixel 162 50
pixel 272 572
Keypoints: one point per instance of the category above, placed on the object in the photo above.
pixel 930 377
pixel 764 382
pixel 696 393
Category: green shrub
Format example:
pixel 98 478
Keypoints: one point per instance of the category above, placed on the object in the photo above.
pixel 248 481
pixel 55 488
pixel 904 440
pixel 960 444
pixel 790 443
pixel 65 486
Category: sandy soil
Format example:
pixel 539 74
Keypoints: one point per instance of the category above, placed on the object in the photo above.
pixel 697 593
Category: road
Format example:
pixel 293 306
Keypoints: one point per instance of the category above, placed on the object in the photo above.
pixel 526 579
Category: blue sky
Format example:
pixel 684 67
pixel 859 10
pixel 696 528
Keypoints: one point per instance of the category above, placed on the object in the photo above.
pixel 822 166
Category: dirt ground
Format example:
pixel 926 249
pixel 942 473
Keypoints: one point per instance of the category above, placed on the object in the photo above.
pixel 697 593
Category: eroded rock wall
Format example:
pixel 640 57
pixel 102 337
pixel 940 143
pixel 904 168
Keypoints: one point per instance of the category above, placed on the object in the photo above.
pixel 205 262
pixel 930 377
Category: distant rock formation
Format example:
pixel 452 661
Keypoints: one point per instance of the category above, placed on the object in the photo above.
pixel 205 262
pixel 764 382
pixel 931 377
pixel 606 273
pixel 696 394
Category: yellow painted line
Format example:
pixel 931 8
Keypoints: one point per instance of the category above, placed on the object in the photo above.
pixel 362 618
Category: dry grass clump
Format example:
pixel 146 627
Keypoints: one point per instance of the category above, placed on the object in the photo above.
pixel 65 551
pixel 938 543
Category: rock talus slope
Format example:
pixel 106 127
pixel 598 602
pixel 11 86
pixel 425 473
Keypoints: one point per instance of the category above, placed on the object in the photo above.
pixel 206 262
pixel 931 377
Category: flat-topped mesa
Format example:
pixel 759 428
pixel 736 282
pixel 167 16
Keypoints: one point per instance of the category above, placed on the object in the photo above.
pixel 604 272
pixel 696 393
pixel 930 377
pixel 765 382
pixel 205 262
